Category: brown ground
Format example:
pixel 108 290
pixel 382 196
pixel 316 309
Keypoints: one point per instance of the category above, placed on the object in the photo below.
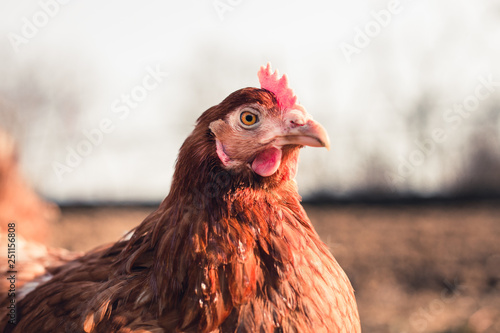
pixel 415 268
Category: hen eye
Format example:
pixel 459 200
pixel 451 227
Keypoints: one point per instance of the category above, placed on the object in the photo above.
pixel 248 118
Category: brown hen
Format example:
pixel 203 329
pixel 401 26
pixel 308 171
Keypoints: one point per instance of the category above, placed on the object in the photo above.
pixel 230 249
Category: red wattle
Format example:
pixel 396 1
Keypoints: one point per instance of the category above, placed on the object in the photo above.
pixel 267 162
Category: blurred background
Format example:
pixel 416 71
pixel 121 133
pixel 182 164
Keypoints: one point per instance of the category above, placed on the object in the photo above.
pixel 97 97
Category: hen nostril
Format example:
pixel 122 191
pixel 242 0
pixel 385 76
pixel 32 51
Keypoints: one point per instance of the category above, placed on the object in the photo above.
pixel 296 118
pixel 297 122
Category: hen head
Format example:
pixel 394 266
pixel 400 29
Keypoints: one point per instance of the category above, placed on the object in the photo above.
pixel 253 135
pixel 258 132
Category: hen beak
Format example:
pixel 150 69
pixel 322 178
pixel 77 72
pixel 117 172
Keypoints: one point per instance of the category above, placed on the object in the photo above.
pixel 301 129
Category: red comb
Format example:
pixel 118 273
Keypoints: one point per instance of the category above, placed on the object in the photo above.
pixel 279 86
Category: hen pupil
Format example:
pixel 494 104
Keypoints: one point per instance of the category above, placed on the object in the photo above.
pixel 249 118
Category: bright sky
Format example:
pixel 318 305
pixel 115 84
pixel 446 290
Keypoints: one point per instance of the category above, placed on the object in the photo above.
pixel 93 52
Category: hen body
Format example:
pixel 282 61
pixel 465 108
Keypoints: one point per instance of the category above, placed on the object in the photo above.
pixel 228 250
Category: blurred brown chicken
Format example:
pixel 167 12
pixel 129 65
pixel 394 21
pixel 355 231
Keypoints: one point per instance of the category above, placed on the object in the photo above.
pixel 18 202
pixel 31 217
pixel 230 249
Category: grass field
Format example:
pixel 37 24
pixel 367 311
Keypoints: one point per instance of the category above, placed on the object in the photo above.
pixel 415 268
